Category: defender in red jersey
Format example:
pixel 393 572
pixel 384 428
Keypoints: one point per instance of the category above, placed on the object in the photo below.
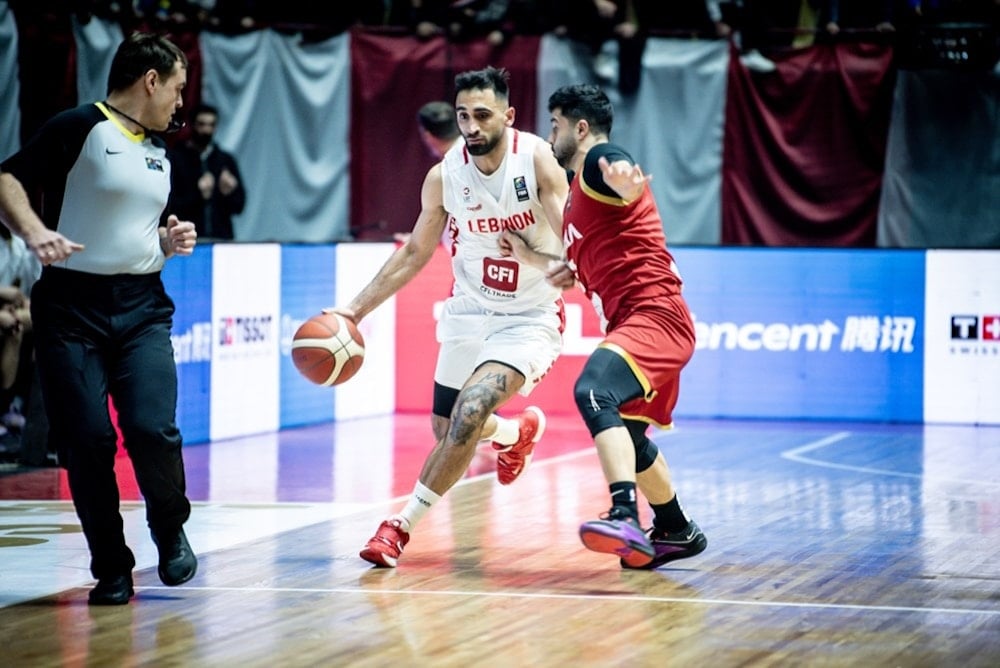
pixel 616 250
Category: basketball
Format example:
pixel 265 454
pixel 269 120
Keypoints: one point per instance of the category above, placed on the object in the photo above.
pixel 328 349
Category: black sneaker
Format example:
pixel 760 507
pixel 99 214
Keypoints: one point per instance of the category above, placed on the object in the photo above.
pixel 670 546
pixel 177 561
pixel 114 590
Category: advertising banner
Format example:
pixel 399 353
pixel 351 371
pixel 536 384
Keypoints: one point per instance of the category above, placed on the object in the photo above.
pixel 307 287
pixel 246 295
pixel 804 334
pixel 962 354
pixel 801 334
pixel 781 334
pixel 186 280
pixel 372 390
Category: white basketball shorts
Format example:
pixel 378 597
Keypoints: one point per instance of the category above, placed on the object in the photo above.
pixel 471 335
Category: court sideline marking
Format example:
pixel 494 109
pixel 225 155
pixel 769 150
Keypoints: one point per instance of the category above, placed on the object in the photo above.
pixel 795 455
pixel 631 598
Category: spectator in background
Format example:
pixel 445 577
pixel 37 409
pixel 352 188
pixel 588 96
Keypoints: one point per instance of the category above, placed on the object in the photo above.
pixel 832 16
pixel 206 185
pixel 15 352
pixel 19 269
pixel 461 20
pixel 679 18
pixel 438 132
pixel 534 17
pixel 756 25
pixel 438 128
pixel 386 13
pixel 14 322
pixel 610 30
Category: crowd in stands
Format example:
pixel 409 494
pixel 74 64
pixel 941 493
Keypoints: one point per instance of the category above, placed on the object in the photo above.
pixel 497 20
pixel 615 31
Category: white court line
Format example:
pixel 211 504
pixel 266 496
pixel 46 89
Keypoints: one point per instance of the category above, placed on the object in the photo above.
pixel 61 561
pixel 795 455
pixel 590 597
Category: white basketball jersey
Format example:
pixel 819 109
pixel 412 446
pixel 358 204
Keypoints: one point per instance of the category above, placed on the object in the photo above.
pixel 476 218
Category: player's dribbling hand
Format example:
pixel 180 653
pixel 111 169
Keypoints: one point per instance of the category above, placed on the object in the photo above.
pixel 346 312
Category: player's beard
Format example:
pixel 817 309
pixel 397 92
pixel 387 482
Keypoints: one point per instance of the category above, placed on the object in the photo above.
pixel 564 152
pixel 483 149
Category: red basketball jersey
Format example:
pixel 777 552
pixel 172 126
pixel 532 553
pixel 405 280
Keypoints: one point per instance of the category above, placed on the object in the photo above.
pixel 619 251
pixel 622 260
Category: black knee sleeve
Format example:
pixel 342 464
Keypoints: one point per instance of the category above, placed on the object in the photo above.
pixel 444 400
pixel 605 383
pixel 645 451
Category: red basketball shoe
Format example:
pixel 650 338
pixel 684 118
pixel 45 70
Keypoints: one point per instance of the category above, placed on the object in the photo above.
pixel 384 548
pixel 514 459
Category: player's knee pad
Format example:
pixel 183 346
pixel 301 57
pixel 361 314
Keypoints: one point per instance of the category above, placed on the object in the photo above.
pixel 605 383
pixel 645 451
pixel 444 400
pixel 597 406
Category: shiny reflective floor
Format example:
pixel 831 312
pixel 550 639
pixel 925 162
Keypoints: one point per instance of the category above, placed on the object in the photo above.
pixel 833 544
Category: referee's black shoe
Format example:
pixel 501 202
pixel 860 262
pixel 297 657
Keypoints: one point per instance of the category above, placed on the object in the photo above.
pixel 114 590
pixel 177 561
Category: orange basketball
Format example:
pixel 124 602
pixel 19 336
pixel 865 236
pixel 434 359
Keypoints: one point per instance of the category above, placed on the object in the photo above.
pixel 328 349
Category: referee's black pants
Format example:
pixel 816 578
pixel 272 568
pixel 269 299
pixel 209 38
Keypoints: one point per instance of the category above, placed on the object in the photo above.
pixel 110 335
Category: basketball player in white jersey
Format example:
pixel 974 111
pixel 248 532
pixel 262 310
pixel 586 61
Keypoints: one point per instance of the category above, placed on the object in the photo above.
pixel 501 330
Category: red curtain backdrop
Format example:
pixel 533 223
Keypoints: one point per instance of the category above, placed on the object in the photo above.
pixel 391 78
pixel 804 147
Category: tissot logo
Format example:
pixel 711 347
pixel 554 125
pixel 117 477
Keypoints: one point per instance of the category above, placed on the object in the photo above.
pixel 243 330
pixel 974 327
pixel 991 328
pixel 965 327
pixel 975 335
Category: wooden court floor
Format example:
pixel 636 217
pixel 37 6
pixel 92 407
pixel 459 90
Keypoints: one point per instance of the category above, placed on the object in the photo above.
pixel 830 544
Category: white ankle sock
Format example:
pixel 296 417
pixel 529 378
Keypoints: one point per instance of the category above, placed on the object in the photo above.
pixel 507 432
pixel 421 500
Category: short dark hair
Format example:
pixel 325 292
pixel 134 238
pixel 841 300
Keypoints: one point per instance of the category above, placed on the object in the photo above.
pixel 139 53
pixel 204 109
pixel 490 78
pixel 584 102
pixel 438 118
